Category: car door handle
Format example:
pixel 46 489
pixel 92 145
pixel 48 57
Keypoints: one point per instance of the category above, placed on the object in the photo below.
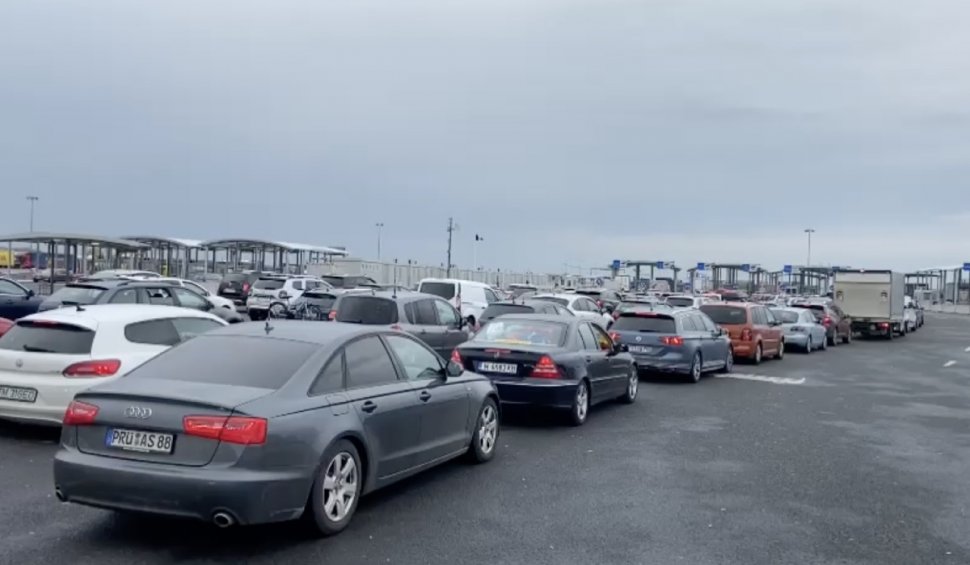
pixel 368 407
pixel 424 396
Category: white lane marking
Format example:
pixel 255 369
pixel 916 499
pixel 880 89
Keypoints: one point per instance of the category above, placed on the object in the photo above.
pixel 949 364
pixel 762 378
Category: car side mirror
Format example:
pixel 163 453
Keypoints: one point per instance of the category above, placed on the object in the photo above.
pixel 453 369
pixel 30 293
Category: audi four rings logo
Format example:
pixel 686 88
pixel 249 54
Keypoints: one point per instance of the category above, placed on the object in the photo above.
pixel 140 412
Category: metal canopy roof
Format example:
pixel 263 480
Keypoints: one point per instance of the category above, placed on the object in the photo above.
pixel 285 245
pixel 47 237
pixel 174 241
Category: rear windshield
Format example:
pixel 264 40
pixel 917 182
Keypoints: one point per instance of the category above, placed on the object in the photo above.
pixel 442 289
pixel 370 310
pixel 77 294
pixel 785 316
pixel 269 284
pixel 680 301
pixel 559 301
pixel 726 314
pixel 819 307
pixel 647 324
pixel 229 360
pixel 496 310
pixel 523 332
pixel 48 338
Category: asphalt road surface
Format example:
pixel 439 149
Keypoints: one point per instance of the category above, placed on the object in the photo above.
pixel 860 454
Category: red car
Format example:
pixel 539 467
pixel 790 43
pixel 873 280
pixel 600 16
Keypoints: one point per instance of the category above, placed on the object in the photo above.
pixel 5 325
pixel 755 333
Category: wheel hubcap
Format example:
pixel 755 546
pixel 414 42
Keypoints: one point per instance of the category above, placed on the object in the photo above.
pixel 582 402
pixel 632 387
pixel 696 369
pixel 729 362
pixel 340 486
pixel 487 429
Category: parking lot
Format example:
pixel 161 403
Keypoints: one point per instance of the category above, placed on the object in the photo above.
pixel 854 455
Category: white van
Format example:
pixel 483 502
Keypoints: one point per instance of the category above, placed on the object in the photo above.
pixel 468 297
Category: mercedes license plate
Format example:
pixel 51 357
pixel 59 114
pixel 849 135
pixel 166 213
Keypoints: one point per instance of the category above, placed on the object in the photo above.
pixel 504 368
pixel 18 394
pixel 137 440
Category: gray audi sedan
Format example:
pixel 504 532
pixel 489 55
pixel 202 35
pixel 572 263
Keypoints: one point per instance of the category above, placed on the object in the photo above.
pixel 258 423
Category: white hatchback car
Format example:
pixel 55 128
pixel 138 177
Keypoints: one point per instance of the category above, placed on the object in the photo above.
pixel 48 357
pixel 580 305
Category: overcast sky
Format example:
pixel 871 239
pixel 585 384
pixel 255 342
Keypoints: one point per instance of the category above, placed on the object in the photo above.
pixel 562 131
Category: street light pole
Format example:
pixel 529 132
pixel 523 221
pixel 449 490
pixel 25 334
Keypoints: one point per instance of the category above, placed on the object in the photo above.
pixel 32 199
pixel 809 231
pixel 380 227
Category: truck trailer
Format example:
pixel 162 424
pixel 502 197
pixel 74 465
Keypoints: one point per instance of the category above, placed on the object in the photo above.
pixel 873 299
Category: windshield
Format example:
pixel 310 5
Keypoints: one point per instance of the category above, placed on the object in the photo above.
pixel 48 337
pixel 445 290
pixel 522 332
pixel 785 316
pixel 726 314
pixel 680 301
pixel 645 324
pixel 76 295
pixel 370 310
pixel 269 284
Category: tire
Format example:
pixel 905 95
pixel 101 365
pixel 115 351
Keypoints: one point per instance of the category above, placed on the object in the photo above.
pixel 579 411
pixel 810 346
pixel 833 339
pixel 485 438
pixel 696 368
pixel 340 469
pixel 276 310
pixel 728 362
pixel 781 350
pixel 256 315
pixel 632 387
pixel 758 355
pixel 847 338
pixel 825 344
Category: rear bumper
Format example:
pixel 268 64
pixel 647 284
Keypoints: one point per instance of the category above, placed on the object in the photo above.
pixel 796 339
pixel 536 392
pixel 251 497
pixel 54 393
pixel 744 349
pixel 665 364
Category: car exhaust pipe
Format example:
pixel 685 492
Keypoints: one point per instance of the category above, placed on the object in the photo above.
pixel 223 520
pixel 60 495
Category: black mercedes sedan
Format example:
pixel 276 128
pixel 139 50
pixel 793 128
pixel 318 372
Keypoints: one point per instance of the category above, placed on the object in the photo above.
pixel 16 300
pixel 258 423
pixel 563 362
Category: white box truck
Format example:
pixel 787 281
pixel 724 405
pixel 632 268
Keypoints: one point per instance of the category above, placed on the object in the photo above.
pixel 874 300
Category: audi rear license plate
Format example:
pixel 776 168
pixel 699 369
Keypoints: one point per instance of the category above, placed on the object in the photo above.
pixel 641 349
pixel 18 394
pixel 504 368
pixel 141 441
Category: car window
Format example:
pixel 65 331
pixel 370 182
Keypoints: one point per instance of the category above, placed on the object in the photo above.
pixel 726 314
pixel 603 340
pixel 807 318
pixel 447 316
pixel 587 338
pixel 76 295
pixel 368 363
pixel 125 296
pixel 560 301
pixel 687 323
pixel 188 328
pixel 9 288
pixel 490 296
pixel 424 313
pixel 680 301
pixel 189 299
pixel 787 316
pixel 370 310
pixel 196 288
pixel 445 290
pixel 45 337
pixel 419 362
pixel 297 285
pixel 769 317
pixel 153 332
pixel 706 321
pixel 160 296
pixel 579 305
pixel 269 284
pixel 331 378
pixel 522 332
pixel 564 311
pixel 646 324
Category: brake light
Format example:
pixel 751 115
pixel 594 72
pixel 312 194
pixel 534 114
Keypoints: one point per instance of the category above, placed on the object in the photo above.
pixel 614 336
pixel 241 430
pixel 546 369
pixel 884 325
pixel 99 368
pixel 332 315
pixel 80 414
pixel 746 334
pixel 395 327
pixel 672 340
pixel 245 287
pixel 616 315
pixel 827 321
pixel 599 303
pixel 456 357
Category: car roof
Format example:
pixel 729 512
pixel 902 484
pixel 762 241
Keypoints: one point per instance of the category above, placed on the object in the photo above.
pixel 298 330
pixel 562 295
pixel 456 281
pixel 98 283
pixel 562 319
pixel 521 302
pixel 745 305
pixel 90 316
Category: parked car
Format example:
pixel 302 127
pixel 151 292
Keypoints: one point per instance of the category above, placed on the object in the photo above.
pixel 5 325
pixel 525 306
pixel 918 310
pixel 754 331
pixel 563 362
pixel 45 275
pixel 317 303
pixel 468 297
pixel 428 317
pixel 580 305
pixel 82 292
pixel 273 296
pixel 607 300
pixel 677 341
pixel 16 300
pixel 837 323
pixel 217 301
pixel 638 303
pixel 122 274
pixel 349 281
pixel 237 286
pixel 316 418
pixel 801 329
pixel 685 301
pixel 48 357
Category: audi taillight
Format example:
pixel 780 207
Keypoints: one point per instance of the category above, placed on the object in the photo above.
pixel 675 340
pixel 93 369
pixel 80 414
pixel 546 369
pixel 241 430
pixel 746 334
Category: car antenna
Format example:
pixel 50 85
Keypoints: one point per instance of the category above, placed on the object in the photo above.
pixel 394 284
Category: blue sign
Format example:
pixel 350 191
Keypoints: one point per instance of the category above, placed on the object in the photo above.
pixel 745 267
pixel 966 266
pixel 616 264
pixel 660 264
pixel 787 269
pixel 700 266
